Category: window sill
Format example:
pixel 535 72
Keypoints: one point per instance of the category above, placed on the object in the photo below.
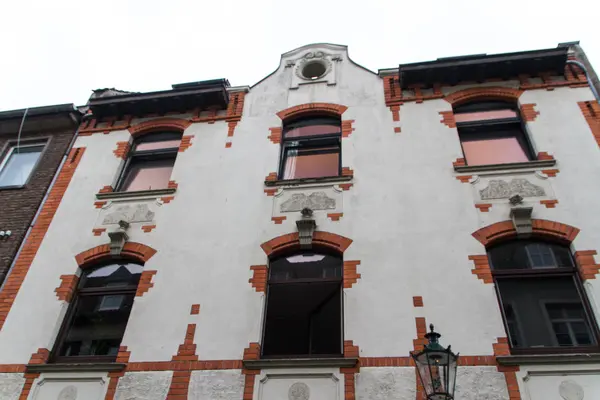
pixel 300 363
pixel 12 187
pixel 498 167
pixel 306 181
pixel 134 195
pixel 76 367
pixel 548 358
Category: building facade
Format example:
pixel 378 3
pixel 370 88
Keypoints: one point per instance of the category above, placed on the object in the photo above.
pixel 294 239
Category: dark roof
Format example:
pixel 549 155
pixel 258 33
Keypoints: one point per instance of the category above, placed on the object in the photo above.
pixel 184 96
pixel 479 67
pixel 39 111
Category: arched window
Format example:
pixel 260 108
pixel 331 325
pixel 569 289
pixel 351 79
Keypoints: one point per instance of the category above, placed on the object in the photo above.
pixel 150 162
pixel 304 306
pixel 95 322
pixel 542 300
pixel 491 132
pixel 311 148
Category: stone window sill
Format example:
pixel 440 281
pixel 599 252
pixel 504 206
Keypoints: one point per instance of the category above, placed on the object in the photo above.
pixel 536 164
pixel 548 358
pixel 300 363
pixel 134 195
pixel 308 181
pixel 76 367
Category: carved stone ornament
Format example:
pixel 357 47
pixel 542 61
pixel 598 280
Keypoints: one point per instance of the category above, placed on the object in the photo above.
pixel 499 189
pixel 314 201
pixel 521 218
pixel 129 213
pixel 306 228
pixel 118 238
pixel 570 390
pixel 68 393
pixel 299 391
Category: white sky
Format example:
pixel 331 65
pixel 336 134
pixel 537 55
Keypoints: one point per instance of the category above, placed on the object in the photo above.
pixel 58 51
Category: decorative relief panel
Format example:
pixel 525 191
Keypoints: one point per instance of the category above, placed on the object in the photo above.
pixel 504 189
pixel 131 211
pixel 569 384
pixel 323 200
pixel 299 386
pixel 327 67
pixel 499 187
pixel 69 387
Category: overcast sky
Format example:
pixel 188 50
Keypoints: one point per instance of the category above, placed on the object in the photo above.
pixel 58 51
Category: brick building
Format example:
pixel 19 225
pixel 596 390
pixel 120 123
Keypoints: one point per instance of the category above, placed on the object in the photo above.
pixel 294 239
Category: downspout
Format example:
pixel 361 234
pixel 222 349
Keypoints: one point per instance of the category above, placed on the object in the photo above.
pixel 587 76
pixel 37 213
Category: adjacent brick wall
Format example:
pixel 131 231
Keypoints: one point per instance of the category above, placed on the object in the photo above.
pixel 33 243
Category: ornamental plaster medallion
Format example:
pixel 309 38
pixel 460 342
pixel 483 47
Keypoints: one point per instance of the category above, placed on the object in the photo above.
pixel 299 391
pixel 313 56
pixel 129 213
pixel 500 189
pixel 570 390
pixel 314 201
pixel 68 393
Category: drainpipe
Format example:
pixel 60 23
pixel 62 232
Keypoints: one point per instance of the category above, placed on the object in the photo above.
pixel 587 76
pixel 37 213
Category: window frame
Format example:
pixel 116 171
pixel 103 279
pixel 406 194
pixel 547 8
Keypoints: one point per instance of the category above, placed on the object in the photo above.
pixel 9 149
pixel 553 272
pixel 339 280
pixel 523 138
pixel 67 321
pixel 134 156
pixel 312 141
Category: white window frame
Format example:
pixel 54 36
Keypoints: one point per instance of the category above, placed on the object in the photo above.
pixel 11 149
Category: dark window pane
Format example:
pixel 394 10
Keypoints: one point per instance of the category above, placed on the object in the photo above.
pixel 542 307
pixel 96 329
pixel 485 115
pixel 523 254
pixel 113 275
pixel 307 163
pixel 312 130
pixel 19 165
pixel 163 144
pixel 148 174
pixel 305 266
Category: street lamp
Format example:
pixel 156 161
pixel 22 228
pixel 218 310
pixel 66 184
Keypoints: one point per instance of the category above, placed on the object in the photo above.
pixel 437 368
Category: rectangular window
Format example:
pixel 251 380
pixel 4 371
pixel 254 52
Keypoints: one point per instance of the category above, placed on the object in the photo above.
pixel 18 164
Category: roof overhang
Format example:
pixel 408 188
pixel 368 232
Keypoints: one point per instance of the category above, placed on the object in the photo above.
pixel 479 67
pixel 46 119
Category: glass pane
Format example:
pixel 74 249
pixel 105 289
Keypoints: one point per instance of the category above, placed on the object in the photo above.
pixel 495 150
pixel 148 174
pixel 95 330
pixel 485 115
pixel 305 266
pixel 113 275
pixel 523 254
pixel 540 255
pixel 19 165
pixel 304 163
pixel 164 144
pixel 311 130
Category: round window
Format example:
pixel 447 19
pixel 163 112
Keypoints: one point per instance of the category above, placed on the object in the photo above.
pixel 314 70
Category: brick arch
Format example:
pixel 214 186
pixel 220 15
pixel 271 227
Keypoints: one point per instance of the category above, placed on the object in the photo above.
pixel 159 124
pixel 499 231
pixel 134 251
pixel 483 93
pixel 291 241
pixel 310 108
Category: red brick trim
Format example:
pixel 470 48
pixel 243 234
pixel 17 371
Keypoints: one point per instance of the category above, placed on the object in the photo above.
pixel 482 268
pixel 195 309
pixel 483 207
pixel 122 150
pixel 252 352
pixel 148 228
pixel 290 241
pixel 448 118
pixel 145 282
pixel 347 171
pixel 464 178
pixel 275 136
pixel 350 350
pixel 270 192
pixel 311 108
pixel 586 264
pixel 541 227
pixel 551 172
pixel 278 220
pixel 90 126
pixel 350 274
pixel 259 278
pixel 106 189
pixel 235 108
pixel 22 264
pixel 395 110
pixel 459 162
pixel 180 383
pixel 249 378
pixel 345 186
pixel 543 155
pixel 186 143
pixel 271 177
pixel 502 348
pixel 29 378
pixel 187 350
pixel 132 250
pixel 40 357
pixel 167 199
pixel 528 112
pixel 591 113
pixel 159 124
pixel 347 128
pixel 549 203
pixel 99 204
pixel 481 93
pixel 397 129
pixel 418 345
pixel 417 301
pixel 335 216
pixel 228 145
pixel 231 128
pixel 67 287
pixel 123 355
pixel 172 185
pixel 98 231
